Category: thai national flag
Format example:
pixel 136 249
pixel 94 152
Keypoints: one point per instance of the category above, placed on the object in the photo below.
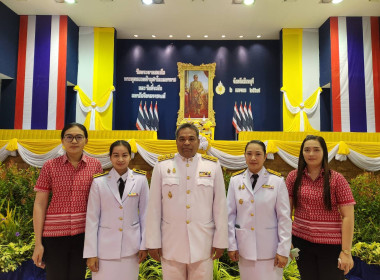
pixel 250 116
pixel 156 119
pixel 151 117
pixel 355 73
pixel 236 121
pixel 140 122
pixel 148 125
pixel 41 73
pixel 243 124
pixel 247 118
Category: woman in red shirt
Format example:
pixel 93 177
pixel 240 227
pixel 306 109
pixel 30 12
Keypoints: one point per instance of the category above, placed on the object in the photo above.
pixel 323 214
pixel 59 226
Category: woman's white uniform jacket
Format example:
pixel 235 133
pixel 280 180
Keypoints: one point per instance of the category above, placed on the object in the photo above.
pixel 259 223
pixel 115 227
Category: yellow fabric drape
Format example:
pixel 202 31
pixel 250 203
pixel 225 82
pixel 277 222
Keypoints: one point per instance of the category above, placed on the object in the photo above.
pixel 292 72
pixel 104 39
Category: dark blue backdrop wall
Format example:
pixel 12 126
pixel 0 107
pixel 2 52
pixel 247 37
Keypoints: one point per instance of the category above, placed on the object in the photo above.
pixel 234 59
pixel 9 25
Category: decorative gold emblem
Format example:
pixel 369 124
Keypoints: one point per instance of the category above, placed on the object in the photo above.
pixel 267 187
pixel 241 201
pixel 174 170
pixel 170 194
pixel 220 89
pixel 168 171
pixel 243 187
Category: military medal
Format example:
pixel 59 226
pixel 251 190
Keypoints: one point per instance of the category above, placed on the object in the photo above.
pixel 170 194
pixel 243 187
pixel 241 201
pixel 173 170
pixel 168 171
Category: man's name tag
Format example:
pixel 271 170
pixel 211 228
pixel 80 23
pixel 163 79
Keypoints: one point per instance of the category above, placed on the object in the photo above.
pixel 204 173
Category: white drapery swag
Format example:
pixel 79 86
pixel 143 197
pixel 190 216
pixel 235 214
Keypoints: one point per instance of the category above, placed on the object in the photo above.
pixel 93 107
pixel 301 108
pixel 226 160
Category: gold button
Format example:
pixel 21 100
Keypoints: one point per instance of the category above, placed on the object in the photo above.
pixel 187 222
pixel 187 165
pixel 252 214
pixel 187 206
pixel 188 191
pixel 120 218
pixel 120 229
pixel 252 228
pixel 121 207
pixel 252 200
pixel 188 177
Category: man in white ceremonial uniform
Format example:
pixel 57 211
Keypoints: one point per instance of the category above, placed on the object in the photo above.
pixel 259 224
pixel 186 225
pixel 115 226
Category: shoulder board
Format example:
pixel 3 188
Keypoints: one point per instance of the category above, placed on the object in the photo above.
pixel 143 172
pixel 274 172
pixel 165 157
pixel 237 172
pixel 100 174
pixel 210 158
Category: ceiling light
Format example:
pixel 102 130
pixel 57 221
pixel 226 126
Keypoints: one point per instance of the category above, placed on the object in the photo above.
pixel 245 2
pixel 135 35
pixel 170 36
pixel 206 36
pixel 241 36
pixel 70 1
pixel 336 1
pixel 147 2
pixel 258 36
pixel 188 36
pixel 223 36
pixel 154 36
pixel 248 2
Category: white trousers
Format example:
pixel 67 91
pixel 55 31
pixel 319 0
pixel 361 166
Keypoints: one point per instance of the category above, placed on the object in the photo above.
pixel 259 270
pixel 119 269
pixel 172 270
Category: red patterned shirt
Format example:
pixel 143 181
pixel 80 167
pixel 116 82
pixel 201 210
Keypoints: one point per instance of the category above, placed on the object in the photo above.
pixel 66 214
pixel 312 221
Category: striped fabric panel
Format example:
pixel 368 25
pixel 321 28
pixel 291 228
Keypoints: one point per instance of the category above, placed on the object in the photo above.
pixel 41 77
pixel 355 74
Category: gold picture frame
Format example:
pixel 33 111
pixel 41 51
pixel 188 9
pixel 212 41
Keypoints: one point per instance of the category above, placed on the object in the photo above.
pixel 196 95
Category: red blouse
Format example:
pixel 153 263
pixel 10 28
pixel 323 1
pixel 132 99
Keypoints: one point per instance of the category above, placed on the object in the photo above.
pixel 312 221
pixel 66 214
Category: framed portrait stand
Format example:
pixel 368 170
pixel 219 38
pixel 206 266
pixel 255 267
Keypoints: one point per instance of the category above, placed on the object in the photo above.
pixel 196 97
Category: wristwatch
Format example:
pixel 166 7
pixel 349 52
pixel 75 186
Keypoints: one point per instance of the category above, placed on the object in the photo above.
pixel 347 252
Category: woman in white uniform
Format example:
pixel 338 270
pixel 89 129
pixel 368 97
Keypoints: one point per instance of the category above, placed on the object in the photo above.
pixel 115 222
pixel 259 224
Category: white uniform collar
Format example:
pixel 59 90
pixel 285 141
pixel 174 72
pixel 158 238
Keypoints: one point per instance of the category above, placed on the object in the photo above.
pixel 116 175
pixel 260 173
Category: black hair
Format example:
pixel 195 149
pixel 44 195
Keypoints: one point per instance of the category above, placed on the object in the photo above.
pixel 120 143
pixel 186 125
pixel 258 142
pixel 326 176
pixel 70 125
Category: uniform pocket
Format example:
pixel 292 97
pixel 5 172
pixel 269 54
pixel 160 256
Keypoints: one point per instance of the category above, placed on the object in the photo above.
pixel 170 181
pixel 206 182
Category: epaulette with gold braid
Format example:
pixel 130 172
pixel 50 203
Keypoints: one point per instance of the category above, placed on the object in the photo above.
pixel 139 171
pixel 165 157
pixel 274 172
pixel 100 174
pixel 237 172
pixel 210 158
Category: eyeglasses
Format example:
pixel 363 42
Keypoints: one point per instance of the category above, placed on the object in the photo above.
pixel 69 138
